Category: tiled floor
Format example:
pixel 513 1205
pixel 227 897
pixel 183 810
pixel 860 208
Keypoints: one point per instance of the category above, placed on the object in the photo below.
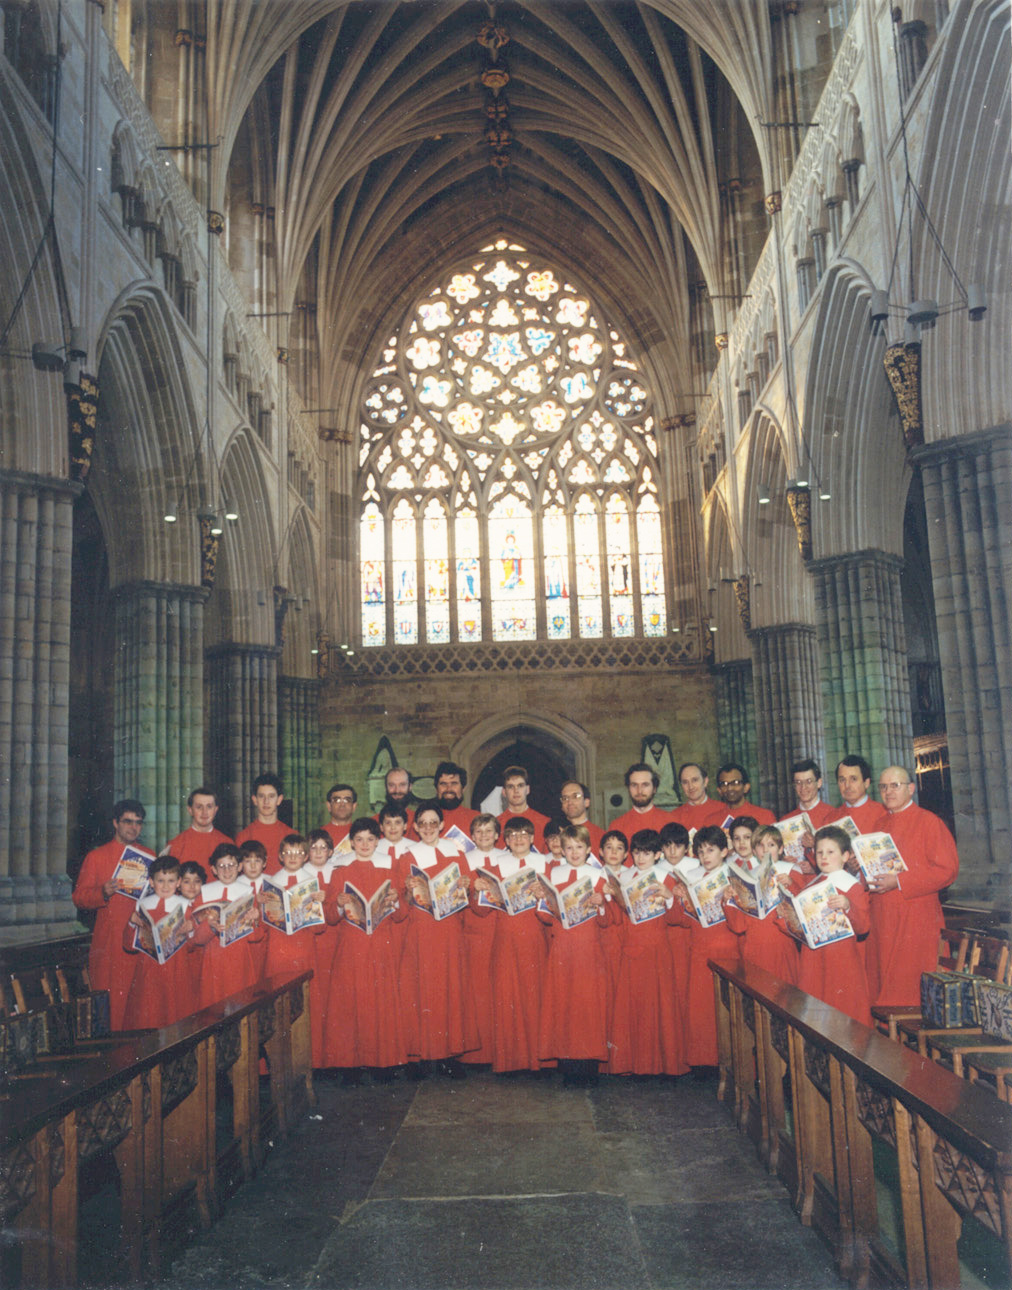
pixel 511 1184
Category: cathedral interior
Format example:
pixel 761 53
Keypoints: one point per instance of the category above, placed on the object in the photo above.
pixel 567 382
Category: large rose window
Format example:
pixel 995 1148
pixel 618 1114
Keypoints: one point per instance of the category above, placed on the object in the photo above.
pixel 509 477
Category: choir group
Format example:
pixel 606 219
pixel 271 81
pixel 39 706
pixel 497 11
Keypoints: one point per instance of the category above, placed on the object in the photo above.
pixel 440 935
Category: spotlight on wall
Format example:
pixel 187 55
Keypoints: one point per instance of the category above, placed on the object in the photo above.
pixel 824 493
pixel 171 516
pixel 923 314
pixel 764 494
pixel 976 302
pixel 47 356
pixel 231 514
pixel 879 305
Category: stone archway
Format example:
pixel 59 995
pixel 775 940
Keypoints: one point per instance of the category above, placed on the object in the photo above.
pixel 551 748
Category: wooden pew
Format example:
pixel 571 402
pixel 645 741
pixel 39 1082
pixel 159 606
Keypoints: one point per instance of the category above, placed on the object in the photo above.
pixel 150 1103
pixel 856 1096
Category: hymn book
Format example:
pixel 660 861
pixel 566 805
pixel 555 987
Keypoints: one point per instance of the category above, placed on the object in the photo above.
pixel 756 892
pixel 131 873
pixel 444 894
pixel 645 895
pixel 808 916
pixel 236 918
pixel 707 894
pixel 290 909
pixel 573 905
pixel 160 940
pixel 365 914
pixel 877 854
pixel 516 894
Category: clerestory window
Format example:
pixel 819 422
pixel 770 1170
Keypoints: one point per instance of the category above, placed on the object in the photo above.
pixel 509 479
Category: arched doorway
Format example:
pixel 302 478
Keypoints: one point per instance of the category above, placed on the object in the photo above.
pixel 546 770
pixel 551 749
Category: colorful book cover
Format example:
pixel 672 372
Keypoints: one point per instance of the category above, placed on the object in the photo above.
pixel 364 914
pixel 290 909
pixel 819 924
pixel 445 894
pixel 162 939
pixel 516 894
pixel 756 892
pixel 707 896
pixel 238 919
pixel 573 905
pixel 877 854
pixel 792 830
pixel 131 872
pixel 848 825
pixel 646 895
pixel 457 835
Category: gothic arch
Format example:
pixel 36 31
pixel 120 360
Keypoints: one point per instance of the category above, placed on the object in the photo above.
pixel 145 444
pixel 847 419
pixel 549 729
pixel 304 616
pixel 722 561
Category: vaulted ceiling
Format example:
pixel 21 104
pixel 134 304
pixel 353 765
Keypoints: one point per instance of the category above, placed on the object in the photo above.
pixel 389 138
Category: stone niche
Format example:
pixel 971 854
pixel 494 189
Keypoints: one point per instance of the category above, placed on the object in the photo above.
pixel 590 724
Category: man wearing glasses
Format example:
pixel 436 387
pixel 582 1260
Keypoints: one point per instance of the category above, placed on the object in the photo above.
pixel 575 800
pixel 733 786
pixel 341 800
pixel 110 967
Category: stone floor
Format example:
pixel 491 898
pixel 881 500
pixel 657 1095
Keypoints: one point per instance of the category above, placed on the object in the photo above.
pixel 517 1183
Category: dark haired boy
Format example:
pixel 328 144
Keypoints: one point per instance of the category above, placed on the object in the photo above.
pixel 267 797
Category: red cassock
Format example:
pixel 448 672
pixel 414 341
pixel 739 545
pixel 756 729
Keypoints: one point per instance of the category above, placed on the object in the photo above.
pixel 478 938
pixel 159 993
pixel 864 816
pixel 574 1004
pixel 290 955
pixel 905 923
pixel 324 949
pixel 759 813
pixel 224 970
pixel 110 967
pixel 271 836
pixel 698 816
pixel 536 818
pixel 461 817
pixel 633 821
pixel 337 832
pixel 516 975
pixel 190 845
pixel 364 1017
pixel 437 1000
pixel 836 973
pixel 821 813
pixel 723 946
pixel 764 945
pixel 647 1028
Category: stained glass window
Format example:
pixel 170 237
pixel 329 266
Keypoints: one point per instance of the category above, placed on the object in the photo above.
pixel 508 467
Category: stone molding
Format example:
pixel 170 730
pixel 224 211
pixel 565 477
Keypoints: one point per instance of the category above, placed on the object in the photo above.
pixel 964 445
pixel 26 481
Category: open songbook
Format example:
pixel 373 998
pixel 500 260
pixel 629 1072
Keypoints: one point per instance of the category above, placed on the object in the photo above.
pixel 445 894
pixel 290 909
pixel 131 873
pixel 236 918
pixel 706 894
pixel 756 891
pixel 516 894
pixel 571 905
pixel 161 939
pixel 645 895
pixel 808 916
pixel 877 854
pixel 365 914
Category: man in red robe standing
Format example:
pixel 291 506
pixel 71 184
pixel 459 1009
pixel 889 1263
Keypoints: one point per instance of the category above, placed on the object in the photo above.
pixel 807 777
pixel 906 914
pixel 516 786
pixel 341 801
pixel 642 784
pixel 201 837
pixel 853 779
pixel 574 798
pixel 450 781
pixel 110 967
pixel 267 797
pixel 734 787
pixel 698 809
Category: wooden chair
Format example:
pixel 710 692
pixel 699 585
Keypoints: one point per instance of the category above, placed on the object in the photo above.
pixel 956 953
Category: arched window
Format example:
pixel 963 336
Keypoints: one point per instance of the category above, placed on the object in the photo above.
pixel 508 468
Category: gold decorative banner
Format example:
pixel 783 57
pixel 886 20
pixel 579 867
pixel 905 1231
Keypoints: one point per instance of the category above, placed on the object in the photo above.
pixel 743 600
pixel 800 502
pixel 902 363
pixel 82 411
pixel 208 552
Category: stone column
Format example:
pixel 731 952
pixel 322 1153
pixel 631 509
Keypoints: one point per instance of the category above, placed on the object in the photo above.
pixel 863 659
pixel 242 724
pixel 736 735
pixel 788 707
pixel 299 737
pixel 968 502
pixel 36 518
pixel 158 725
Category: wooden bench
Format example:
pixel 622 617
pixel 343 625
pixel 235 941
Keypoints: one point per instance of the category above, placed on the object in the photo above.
pixel 150 1102
pixel 826 1099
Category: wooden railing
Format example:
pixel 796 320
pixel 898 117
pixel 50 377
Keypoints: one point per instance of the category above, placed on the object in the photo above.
pixel 150 1102
pixel 836 1109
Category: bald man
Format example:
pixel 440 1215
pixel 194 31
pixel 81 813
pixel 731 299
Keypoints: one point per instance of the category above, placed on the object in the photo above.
pixel 906 913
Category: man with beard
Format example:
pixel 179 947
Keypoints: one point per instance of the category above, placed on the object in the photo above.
pixel 641 783
pixel 398 788
pixel 450 781
pixel 575 799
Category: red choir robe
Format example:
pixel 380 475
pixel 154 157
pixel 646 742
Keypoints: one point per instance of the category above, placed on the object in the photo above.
pixel 224 970
pixel 337 832
pixel 437 1000
pixel 836 973
pixel 721 944
pixel 271 836
pixel 865 816
pixel 820 814
pixel 574 1004
pixel 759 813
pixel 647 1027
pixel 365 1011
pixel 519 953
pixel 906 922
pixel 159 993
pixel 698 816
pixel 536 818
pixel 191 845
pixel 479 934
pixel 763 944
pixel 324 949
pixel 290 955
pixel 110 967
pixel 632 821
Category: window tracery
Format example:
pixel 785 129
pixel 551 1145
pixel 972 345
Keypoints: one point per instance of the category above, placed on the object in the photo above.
pixel 508 468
